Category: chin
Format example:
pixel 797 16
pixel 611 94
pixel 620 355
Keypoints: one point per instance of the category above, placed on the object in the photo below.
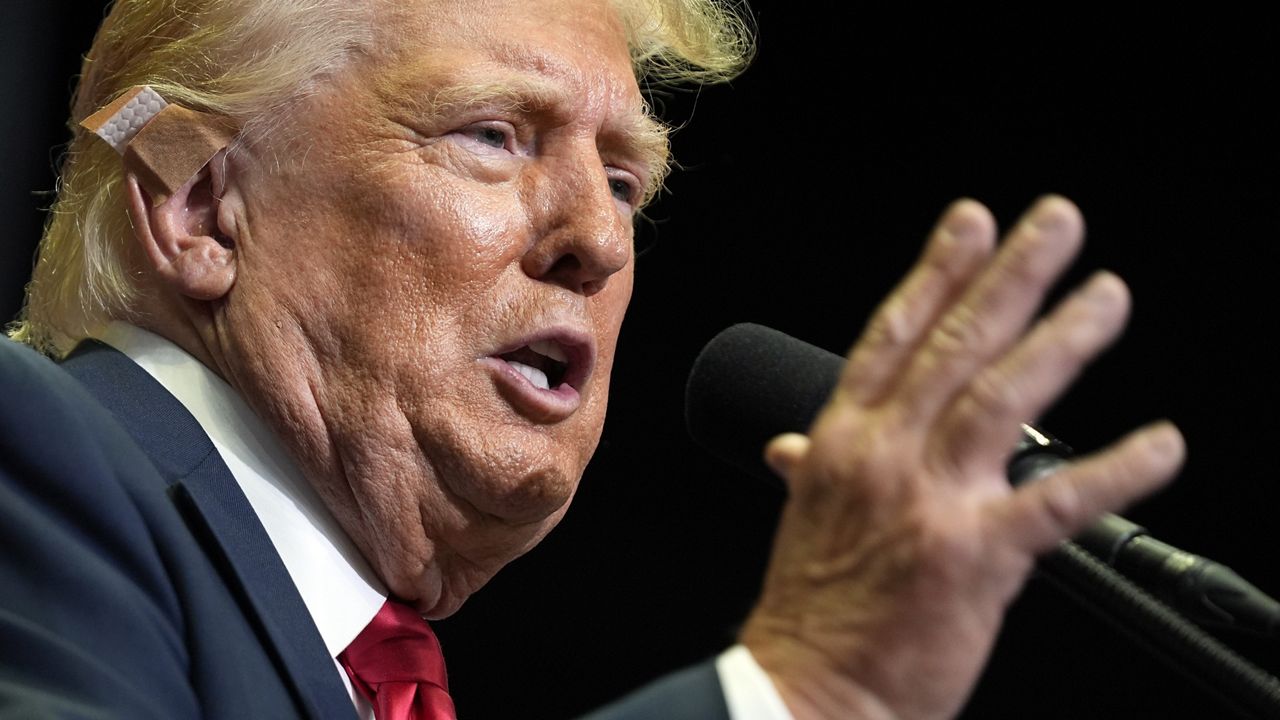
pixel 529 507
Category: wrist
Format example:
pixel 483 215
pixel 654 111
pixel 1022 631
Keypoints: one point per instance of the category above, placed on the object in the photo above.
pixel 811 684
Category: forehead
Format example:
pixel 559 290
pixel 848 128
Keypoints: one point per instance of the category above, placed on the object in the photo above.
pixel 566 59
pixel 564 40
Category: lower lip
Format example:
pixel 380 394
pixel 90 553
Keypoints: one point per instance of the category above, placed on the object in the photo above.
pixel 531 401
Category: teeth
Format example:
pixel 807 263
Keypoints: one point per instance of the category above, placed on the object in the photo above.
pixel 535 376
pixel 549 349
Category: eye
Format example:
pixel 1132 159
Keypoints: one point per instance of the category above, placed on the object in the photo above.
pixel 494 134
pixel 621 189
pixel 624 187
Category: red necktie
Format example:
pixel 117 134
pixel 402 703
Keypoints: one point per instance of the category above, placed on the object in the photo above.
pixel 396 663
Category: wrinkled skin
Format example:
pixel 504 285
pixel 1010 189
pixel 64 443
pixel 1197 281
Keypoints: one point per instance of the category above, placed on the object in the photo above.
pixel 903 543
pixel 386 245
pixel 354 275
pixel 404 248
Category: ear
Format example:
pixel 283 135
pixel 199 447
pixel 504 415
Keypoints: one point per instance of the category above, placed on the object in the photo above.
pixel 189 239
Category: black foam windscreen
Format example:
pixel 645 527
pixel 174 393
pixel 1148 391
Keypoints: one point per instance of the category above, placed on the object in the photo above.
pixel 751 383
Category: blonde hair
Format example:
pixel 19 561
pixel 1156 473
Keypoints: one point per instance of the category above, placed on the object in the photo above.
pixel 248 60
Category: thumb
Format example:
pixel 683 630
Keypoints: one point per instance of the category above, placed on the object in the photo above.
pixel 785 452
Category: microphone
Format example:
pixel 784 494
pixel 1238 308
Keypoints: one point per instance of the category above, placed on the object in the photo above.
pixel 752 382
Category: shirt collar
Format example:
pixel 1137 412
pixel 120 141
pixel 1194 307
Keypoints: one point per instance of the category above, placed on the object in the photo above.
pixel 337 585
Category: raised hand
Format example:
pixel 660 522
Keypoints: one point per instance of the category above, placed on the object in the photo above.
pixel 902 542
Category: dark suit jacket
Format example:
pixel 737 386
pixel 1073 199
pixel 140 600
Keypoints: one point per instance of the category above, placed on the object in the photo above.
pixel 135 579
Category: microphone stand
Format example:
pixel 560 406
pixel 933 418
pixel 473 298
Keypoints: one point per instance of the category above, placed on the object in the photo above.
pixel 1239 684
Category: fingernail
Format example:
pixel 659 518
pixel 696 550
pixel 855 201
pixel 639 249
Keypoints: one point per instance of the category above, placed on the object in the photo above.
pixel 1164 440
pixel 779 458
pixel 1048 213
pixel 1104 289
pixel 954 226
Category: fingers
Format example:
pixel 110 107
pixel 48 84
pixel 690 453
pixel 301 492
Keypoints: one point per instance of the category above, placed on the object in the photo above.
pixel 961 242
pixel 993 311
pixel 1043 513
pixel 1021 385
pixel 950 351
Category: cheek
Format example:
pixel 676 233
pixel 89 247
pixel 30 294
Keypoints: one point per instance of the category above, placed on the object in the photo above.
pixel 397 249
pixel 609 308
pixel 459 226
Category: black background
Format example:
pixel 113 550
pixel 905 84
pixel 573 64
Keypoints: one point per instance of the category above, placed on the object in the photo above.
pixel 806 189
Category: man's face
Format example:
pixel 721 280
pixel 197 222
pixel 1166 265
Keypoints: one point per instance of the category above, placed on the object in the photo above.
pixel 433 263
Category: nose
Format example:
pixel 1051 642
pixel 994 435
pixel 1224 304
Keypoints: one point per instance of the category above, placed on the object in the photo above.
pixel 582 236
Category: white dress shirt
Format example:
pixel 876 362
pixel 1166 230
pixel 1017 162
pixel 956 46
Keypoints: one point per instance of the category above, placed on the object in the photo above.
pixel 319 556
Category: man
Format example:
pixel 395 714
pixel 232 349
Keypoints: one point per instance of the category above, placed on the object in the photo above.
pixel 383 319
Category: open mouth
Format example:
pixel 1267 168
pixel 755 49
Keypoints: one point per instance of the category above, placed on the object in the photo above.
pixel 543 363
pixel 543 378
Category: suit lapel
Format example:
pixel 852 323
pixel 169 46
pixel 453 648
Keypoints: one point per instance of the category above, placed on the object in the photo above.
pixel 220 517
pixel 211 497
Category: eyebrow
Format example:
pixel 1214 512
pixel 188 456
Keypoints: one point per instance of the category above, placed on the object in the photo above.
pixel 650 139
pixel 523 94
pixel 638 134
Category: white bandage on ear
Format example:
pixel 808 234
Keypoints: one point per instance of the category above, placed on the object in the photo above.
pixel 163 144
